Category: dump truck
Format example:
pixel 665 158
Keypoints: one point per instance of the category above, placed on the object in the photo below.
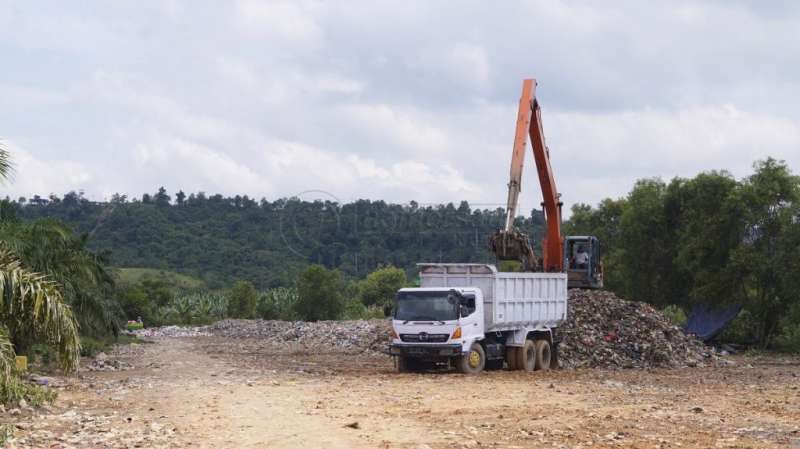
pixel 472 317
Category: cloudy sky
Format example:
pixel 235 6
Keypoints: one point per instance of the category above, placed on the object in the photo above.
pixel 390 100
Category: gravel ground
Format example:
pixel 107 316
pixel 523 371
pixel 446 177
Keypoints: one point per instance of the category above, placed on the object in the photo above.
pixel 221 392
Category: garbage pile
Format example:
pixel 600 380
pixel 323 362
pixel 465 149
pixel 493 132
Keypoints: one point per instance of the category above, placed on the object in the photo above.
pixel 345 336
pixel 172 331
pixel 101 362
pixel 603 330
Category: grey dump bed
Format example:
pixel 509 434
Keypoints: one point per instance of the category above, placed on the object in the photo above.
pixel 511 300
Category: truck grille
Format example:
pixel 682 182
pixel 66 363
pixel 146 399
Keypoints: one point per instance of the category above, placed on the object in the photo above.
pixel 423 337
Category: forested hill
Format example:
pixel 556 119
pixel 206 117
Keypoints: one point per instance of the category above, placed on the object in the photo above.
pixel 220 239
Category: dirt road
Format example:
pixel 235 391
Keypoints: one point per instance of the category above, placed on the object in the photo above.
pixel 210 392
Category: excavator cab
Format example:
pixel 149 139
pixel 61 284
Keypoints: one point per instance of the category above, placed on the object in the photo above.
pixel 582 262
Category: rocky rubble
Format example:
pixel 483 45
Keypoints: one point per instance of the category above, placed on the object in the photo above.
pixel 603 330
pixel 346 336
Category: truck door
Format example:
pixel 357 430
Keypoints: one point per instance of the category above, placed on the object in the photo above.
pixel 471 316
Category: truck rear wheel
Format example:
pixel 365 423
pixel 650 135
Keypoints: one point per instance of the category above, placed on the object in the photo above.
pixel 511 357
pixel 543 354
pixel 474 361
pixel 526 356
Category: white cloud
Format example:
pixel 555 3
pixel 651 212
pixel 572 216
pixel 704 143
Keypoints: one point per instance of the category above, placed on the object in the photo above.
pixel 31 175
pixel 285 20
pixel 391 100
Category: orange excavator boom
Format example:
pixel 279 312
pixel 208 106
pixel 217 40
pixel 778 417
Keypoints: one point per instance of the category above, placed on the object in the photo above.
pixel 509 243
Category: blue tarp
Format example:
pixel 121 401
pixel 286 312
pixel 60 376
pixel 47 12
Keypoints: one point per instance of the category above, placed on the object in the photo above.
pixel 706 322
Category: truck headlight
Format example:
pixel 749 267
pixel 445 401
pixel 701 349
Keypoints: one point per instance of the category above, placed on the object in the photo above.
pixel 456 333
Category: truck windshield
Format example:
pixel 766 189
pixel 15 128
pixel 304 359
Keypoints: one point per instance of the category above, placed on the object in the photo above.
pixel 425 306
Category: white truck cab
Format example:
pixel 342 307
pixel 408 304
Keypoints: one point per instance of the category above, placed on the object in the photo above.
pixel 447 321
pixel 473 317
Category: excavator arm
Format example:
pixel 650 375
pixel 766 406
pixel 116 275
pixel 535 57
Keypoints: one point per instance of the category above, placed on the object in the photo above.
pixel 510 243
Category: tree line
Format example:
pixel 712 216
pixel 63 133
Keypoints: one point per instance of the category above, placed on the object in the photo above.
pixel 223 239
pixel 710 240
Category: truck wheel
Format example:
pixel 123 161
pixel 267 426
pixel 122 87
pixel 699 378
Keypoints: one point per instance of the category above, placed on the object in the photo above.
pixel 474 361
pixel 543 355
pixel 511 357
pixel 526 356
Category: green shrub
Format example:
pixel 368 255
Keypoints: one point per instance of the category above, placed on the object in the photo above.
pixel 43 355
pixel 242 300
pixel 91 346
pixel 277 304
pixel 675 314
pixel 742 329
pixel 319 293
pixel 380 287
pixel 16 389
pixel 789 337
pixel 194 309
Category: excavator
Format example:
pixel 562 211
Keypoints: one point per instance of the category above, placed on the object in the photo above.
pixel 578 256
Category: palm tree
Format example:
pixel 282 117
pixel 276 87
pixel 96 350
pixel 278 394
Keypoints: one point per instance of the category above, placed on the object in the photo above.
pixel 32 305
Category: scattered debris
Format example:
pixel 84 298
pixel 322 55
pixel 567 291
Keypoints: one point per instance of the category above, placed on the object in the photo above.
pixel 345 336
pixel 173 332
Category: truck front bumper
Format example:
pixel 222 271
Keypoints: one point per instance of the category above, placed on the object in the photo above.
pixel 422 351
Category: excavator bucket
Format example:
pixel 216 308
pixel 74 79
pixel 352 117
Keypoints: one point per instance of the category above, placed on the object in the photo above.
pixel 514 245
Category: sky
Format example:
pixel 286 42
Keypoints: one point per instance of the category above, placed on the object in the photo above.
pixel 399 101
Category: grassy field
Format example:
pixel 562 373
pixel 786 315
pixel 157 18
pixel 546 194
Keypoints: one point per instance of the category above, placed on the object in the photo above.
pixel 134 275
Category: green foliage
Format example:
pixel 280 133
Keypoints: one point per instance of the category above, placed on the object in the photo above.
pixel 130 276
pixel 675 314
pixel 196 308
pixel 277 304
pixel 356 310
pixel 319 294
pixel 12 387
pixel 16 389
pixel 269 243
pixel 379 288
pixel 709 240
pixel 33 310
pixel 91 346
pixel 242 300
pixel 48 247
pixel 789 337
pixel 742 329
pixel 135 304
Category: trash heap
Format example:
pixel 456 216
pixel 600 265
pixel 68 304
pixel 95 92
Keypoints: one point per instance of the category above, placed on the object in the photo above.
pixel 101 362
pixel 342 336
pixel 172 331
pixel 601 330
pixel 605 331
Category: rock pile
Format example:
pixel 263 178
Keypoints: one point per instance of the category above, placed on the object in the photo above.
pixel 603 330
pixel 345 336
